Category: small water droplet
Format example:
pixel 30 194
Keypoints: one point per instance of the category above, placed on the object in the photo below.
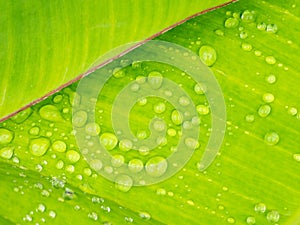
pixel 200 88
pixel 246 47
pixel 271 138
pixel 123 183
pixel 6 136
pixel 92 129
pixel 144 150
pixel 191 143
pixel 264 110
pixel 176 117
pixel 297 157
pixel 156 166
pixel 135 165
pixel 7 152
pixel 208 55
pixel 159 107
pixel 271 79
pixel 250 220
pixel 155 79
pixel 125 145
pixel 261 26
pixel 272 28
pixel 50 113
pixel 257 53
pixel 108 140
pixel 184 101
pixel 230 220
pixel 243 35
pixel 93 216
pixel 79 118
pixel 145 215
pixel 202 109
pixel 219 32
pixel 231 22
pixel 248 16
pixel 117 160
pixel 72 156
pixel 140 79
pixel 142 101
pixel 22 116
pixel 292 111
pixel 135 87
pixel 141 134
pixel 52 214
pixel 268 97
pixel 161 191
pixel 59 146
pixel 41 207
pixel 159 125
pixel 60 164
pixel 273 216
pixel 260 207
pixel 249 118
pixel 34 131
pixel 270 60
pixel 118 72
pixel 39 146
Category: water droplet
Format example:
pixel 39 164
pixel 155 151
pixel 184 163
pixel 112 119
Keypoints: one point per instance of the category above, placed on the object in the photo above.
pixel 52 214
pixel 260 207
pixel 202 109
pixel 142 101
pixel 270 60
pixel 68 194
pixel 160 107
pixel 243 35
pixel 6 136
pixel 60 164
pixel 79 118
pixel 248 16
pixel 57 98
pixel 208 55
pixel 231 22
pixel 92 129
pixel 118 72
pixel 72 156
pixel 268 97
pixel 292 111
pixel 59 146
pixel 257 53
pixel 50 113
pixel 250 220
pixel 140 79
pixel 145 215
pixel 41 207
pixel 162 141
pixel 272 28
pixel 271 79
pixel 135 165
pixel 141 134
pixel 176 117
pixel 219 32
pixel 171 132
pixel 297 157
pixel 109 141
pixel 246 47
pixel 135 87
pixel 96 164
pixel 144 150
pixel 22 116
pixel 128 219
pixel 161 191
pixel 39 146
pixel 159 125
pixel 70 168
pixel 34 131
pixel 155 79
pixel 156 166
pixel 273 216
pixel 230 220
pixel 261 26
pixel 264 110
pixel 117 160
pixel 249 118
pixel 7 152
pixel 125 145
pixel 191 143
pixel 200 88
pixel 123 183
pixel 271 138
pixel 93 216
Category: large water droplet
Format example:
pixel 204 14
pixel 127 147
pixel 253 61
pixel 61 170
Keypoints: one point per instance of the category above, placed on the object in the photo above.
pixel 117 160
pixel 109 141
pixel 231 22
pixel 7 152
pixel 271 79
pixel 135 165
pixel 264 110
pixel 34 131
pixel 191 143
pixel 6 136
pixel 159 107
pixel 159 125
pixel 202 109
pixel 155 79
pixel 39 146
pixel 208 55
pixel 22 116
pixel 250 220
pixel 73 156
pixel 272 28
pixel 273 216
pixel 200 88
pixel 79 118
pixel 270 60
pixel 125 145
pixel 268 97
pixel 261 26
pixel 123 183
pixel 271 138
pixel 50 113
pixel 156 166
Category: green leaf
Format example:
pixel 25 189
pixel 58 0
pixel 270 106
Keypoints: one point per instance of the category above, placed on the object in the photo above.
pixel 251 48
pixel 44 45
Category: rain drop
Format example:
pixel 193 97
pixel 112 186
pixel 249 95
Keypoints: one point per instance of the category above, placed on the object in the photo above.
pixel 208 55
pixel 123 183
pixel 39 146
pixel 109 141
pixel 271 138
pixel 156 166
pixel 155 79
pixel 50 113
